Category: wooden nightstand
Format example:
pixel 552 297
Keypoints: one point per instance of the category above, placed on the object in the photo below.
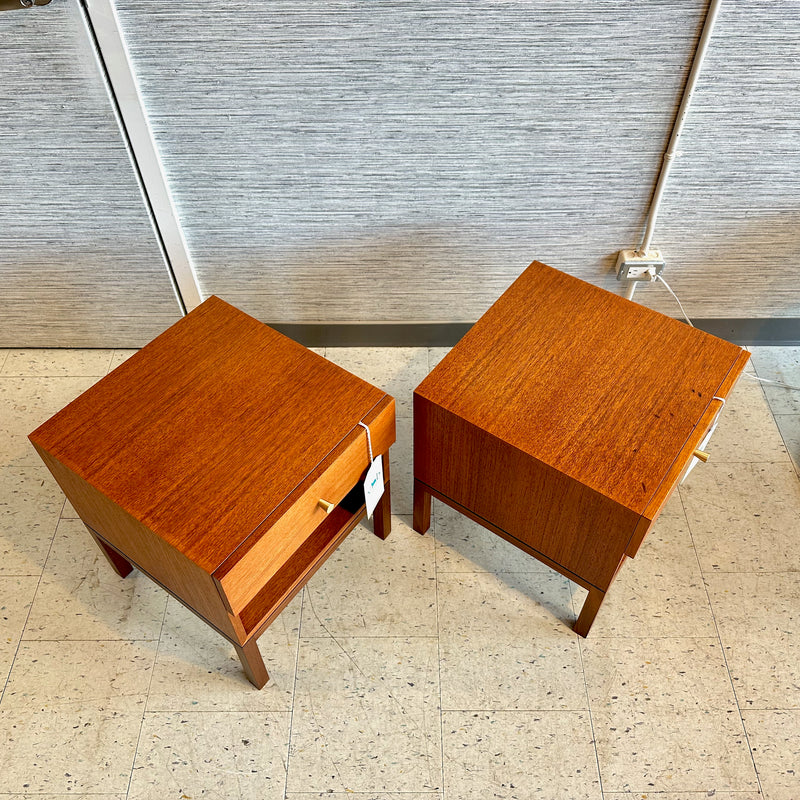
pixel 225 461
pixel 564 420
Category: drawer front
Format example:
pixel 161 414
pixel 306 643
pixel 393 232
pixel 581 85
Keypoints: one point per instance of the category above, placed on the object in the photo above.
pixel 684 464
pixel 292 523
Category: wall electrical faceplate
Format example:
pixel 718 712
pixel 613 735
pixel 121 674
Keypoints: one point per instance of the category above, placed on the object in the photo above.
pixel 13 5
pixel 632 266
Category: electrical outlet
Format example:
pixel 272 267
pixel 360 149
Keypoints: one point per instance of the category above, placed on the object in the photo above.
pixel 634 267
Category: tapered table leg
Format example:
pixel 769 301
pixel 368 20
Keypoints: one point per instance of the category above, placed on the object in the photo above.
pixel 589 611
pixel 252 663
pixel 422 508
pixel 382 515
pixel 120 565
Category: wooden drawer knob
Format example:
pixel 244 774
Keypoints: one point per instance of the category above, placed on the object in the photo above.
pixel 326 506
pixel 701 455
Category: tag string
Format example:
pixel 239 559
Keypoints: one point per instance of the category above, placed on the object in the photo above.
pixel 369 441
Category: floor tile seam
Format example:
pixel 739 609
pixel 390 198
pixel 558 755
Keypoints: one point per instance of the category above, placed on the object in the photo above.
pixel 49 376
pixel 754 462
pixel 249 712
pixel 518 711
pixel 340 635
pixel 651 710
pixel 722 649
pixel 21 574
pixel 687 637
pixel 27 618
pixel 438 636
pixel 499 572
pixel 668 637
pixel 92 641
pixel 763 385
pixel 758 572
pixel 4 359
pixel 788 709
pixel 348 636
pixel 294 693
pixel 147 699
pixel 636 794
pixel 589 710
pixel 795 463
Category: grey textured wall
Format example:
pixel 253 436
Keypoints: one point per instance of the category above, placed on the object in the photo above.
pixel 405 160
pixel 731 221
pixel 396 161
pixel 79 262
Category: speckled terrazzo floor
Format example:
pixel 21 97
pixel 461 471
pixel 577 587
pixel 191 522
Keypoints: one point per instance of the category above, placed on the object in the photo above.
pixel 421 667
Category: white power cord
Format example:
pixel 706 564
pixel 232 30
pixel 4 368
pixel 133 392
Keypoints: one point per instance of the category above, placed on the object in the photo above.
pixel 669 289
pixel 768 380
pixel 774 383
pixel 655 277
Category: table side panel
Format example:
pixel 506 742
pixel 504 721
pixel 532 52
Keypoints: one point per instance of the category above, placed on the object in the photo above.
pixel 176 573
pixel 581 530
pixel 253 564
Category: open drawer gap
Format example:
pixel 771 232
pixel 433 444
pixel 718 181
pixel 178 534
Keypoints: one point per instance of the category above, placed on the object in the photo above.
pixel 308 557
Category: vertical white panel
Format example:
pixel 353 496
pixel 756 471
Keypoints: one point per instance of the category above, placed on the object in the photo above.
pixel 122 83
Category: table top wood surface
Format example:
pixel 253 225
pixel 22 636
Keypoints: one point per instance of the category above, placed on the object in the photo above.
pixel 207 429
pixel 600 388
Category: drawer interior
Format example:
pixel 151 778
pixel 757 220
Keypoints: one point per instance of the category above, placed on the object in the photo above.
pixel 305 560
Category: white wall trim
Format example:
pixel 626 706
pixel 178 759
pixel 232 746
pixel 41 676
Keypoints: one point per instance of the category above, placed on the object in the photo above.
pixel 123 84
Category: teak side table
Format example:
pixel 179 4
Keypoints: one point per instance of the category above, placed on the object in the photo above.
pixel 564 420
pixel 224 461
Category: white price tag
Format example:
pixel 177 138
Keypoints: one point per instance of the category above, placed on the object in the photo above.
pixel 373 485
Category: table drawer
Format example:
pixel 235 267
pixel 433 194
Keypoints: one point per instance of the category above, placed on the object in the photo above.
pixel 683 465
pixel 274 541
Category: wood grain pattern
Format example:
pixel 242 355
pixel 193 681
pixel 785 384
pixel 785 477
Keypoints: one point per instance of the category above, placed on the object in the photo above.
pixel 253 663
pixel 563 420
pixel 298 568
pixel 80 264
pixel 681 464
pixel 600 389
pixel 120 565
pixel 531 501
pixel 151 554
pixel 180 443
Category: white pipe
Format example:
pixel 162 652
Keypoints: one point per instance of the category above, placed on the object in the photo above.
pixel 630 290
pixel 688 92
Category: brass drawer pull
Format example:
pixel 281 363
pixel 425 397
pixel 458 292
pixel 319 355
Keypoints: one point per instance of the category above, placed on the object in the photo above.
pixel 701 455
pixel 326 506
